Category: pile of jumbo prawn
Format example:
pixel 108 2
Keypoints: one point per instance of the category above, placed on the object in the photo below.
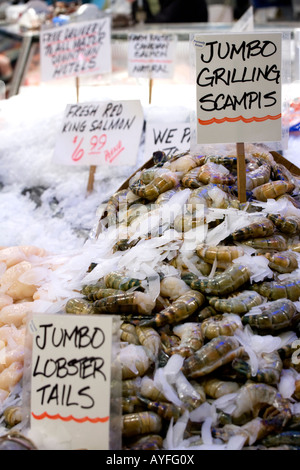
pixel 207 290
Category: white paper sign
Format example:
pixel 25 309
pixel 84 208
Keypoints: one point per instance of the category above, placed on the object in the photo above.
pixel 171 137
pixel 76 49
pixel 238 87
pixel 100 133
pixel 70 379
pixel 151 55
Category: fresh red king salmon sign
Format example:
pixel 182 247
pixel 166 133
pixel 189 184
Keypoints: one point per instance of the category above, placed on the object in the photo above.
pixel 100 133
pixel 238 87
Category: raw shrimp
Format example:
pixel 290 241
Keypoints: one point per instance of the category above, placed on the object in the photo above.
pixel 252 396
pixel 239 303
pixel 15 314
pixel 11 375
pixel 269 369
pixel 166 410
pixel 275 242
pixel 213 173
pixel 272 190
pixel 216 388
pixel 146 422
pixel 262 227
pixel 289 225
pixel 272 316
pixel 128 333
pixel 11 285
pixel 15 254
pixel 182 308
pixel 118 280
pixel 6 300
pixel 221 284
pixel 150 339
pixel 220 325
pixel 191 338
pixel 163 181
pixel 134 361
pixel 173 287
pixel 274 290
pixel 212 355
pixel 258 176
pixel 223 255
pixel 283 262
pixel 128 302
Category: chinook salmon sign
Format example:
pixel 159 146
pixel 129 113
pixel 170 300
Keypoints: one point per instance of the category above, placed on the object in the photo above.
pixel 238 87
pixel 71 380
pixel 100 133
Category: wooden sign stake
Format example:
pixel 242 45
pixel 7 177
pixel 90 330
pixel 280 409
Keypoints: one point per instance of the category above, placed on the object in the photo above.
pixel 77 88
pixel 150 90
pixel 241 171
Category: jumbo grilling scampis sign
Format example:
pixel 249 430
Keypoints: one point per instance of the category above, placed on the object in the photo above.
pixel 238 87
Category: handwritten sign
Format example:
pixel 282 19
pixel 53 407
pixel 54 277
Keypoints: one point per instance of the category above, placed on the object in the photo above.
pixel 70 379
pixel 151 55
pixel 171 137
pixel 76 49
pixel 103 133
pixel 238 87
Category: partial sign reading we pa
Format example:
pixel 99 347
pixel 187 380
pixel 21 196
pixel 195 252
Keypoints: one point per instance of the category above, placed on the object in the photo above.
pixel 238 86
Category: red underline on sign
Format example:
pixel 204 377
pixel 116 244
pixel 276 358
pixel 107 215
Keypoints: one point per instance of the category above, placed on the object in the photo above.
pixel 239 118
pixel 118 153
pixel 70 418
pixel 146 61
pixel 80 48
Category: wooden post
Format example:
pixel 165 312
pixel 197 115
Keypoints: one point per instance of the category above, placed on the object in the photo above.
pixel 241 171
pixel 77 89
pixel 150 90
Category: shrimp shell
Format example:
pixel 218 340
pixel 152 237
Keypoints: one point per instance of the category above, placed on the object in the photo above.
pixel 252 396
pixel 220 325
pixel 214 173
pixel 258 176
pixel 283 262
pixel 272 316
pixel 128 302
pixel 258 229
pixel 182 308
pixel 274 290
pixel 217 352
pixel 166 410
pixel 150 339
pixel 221 284
pixel 289 225
pixel 191 338
pixel 222 253
pixel 275 242
pixel 144 422
pixel 117 280
pixel 161 183
pixel 239 303
pixel 216 388
pixel 269 370
pixel 128 333
pixel 79 306
pixel 272 190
